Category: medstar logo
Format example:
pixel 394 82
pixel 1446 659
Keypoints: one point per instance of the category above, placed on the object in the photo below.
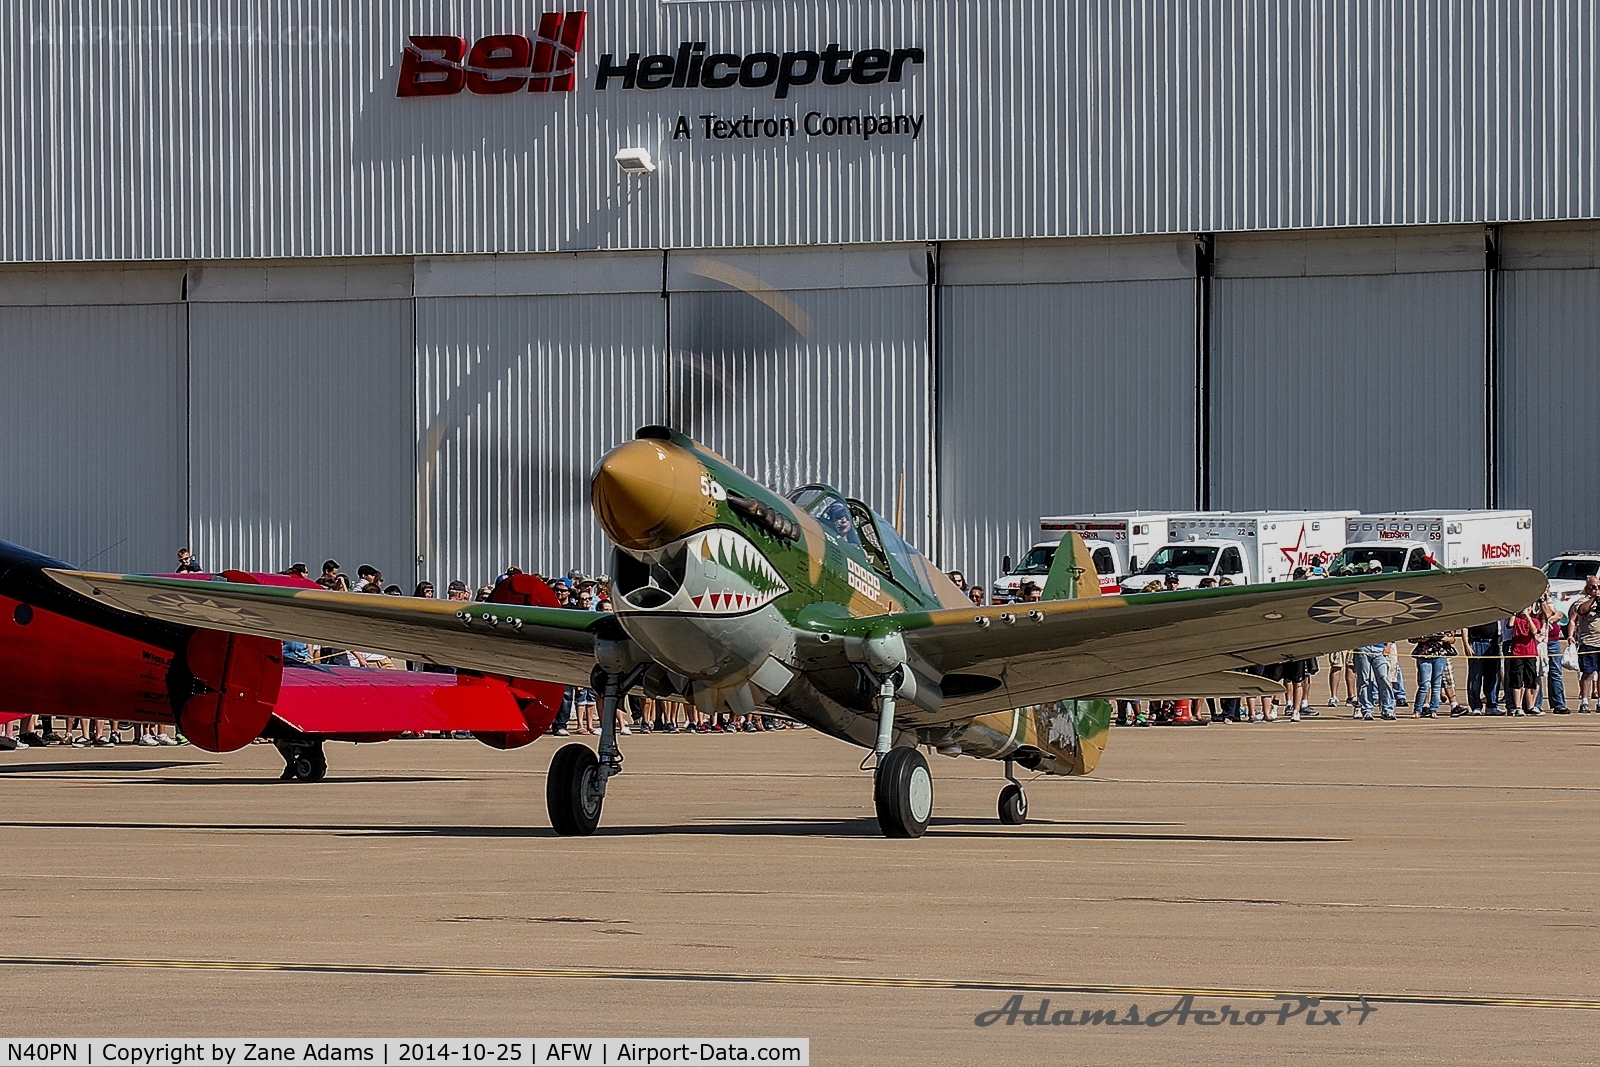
pixel 498 64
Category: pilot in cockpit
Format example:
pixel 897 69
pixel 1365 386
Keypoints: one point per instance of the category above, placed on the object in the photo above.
pixel 838 516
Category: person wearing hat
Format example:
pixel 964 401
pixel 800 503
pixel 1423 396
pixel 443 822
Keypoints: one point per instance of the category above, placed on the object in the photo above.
pixel 457 590
pixel 1170 581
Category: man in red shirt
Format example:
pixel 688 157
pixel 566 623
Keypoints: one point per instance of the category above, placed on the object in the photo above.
pixel 1530 629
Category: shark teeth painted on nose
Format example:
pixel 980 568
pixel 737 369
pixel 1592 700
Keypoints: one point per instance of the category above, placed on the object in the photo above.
pixel 724 574
pixel 728 549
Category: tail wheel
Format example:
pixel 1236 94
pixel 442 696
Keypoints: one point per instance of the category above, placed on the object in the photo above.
pixel 902 790
pixel 572 791
pixel 1013 805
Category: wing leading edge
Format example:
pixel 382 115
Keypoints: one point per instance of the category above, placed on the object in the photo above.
pixel 548 644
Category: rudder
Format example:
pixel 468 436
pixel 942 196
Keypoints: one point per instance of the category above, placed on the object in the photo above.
pixel 1072 574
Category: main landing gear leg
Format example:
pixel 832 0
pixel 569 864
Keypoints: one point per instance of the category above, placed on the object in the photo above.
pixel 575 788
pixel 303 761
pixel 902 787
pixel 1013 801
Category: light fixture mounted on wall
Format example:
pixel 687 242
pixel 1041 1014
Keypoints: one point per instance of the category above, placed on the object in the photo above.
pixel 636 161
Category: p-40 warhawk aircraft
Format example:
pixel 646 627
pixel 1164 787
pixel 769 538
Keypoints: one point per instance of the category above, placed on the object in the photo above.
pixel 732 596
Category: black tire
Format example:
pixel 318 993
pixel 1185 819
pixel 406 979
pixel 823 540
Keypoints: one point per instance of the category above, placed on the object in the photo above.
pixel 902 790
pixel 569 791
pixel 309 765
pixel 1013 805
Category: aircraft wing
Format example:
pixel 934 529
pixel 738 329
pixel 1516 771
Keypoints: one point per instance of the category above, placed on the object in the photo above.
pixel 1160 644
pixel 355 700
pixel 548 644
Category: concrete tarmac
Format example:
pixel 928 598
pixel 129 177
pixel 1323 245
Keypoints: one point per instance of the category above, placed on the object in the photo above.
pixel 1447 870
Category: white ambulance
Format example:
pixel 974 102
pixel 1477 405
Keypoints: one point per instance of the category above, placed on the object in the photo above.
pixel 1420 541
pixel 1118 542
pixel 1245 547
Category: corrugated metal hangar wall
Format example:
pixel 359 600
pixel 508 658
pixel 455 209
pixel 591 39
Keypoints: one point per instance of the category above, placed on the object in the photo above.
pixel 1236 253
pixel 273 128
pixel 439 416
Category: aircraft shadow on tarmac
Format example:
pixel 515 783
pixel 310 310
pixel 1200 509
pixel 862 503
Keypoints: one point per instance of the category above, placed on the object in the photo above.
pixel 369 779
pixel 863 827
pixel 129 767
pixel 123 766
pixel 946 827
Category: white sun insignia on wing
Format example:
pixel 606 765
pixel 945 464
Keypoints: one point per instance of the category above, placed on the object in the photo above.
pixel 1376 607
pixel 206 610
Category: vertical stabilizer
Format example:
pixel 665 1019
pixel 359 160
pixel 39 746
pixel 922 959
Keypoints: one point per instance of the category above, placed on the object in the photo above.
pixel 1072 574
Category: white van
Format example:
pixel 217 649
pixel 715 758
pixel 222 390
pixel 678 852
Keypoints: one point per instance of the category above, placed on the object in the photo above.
pixel 1245 547
pixel 1118 542
pixel 1419 541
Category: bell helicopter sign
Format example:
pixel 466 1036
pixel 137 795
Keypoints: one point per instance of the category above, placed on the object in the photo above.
pixel 502 64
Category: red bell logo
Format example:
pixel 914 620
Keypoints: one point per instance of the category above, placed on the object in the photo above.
pixel 497 64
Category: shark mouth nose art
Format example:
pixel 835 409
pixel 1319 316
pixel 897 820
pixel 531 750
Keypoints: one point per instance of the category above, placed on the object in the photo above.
pixel 714 571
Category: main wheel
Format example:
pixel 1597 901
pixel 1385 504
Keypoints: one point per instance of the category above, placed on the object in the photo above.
pixel 1013 805
pixel 309 764
pixel 572 791
pixel 902 789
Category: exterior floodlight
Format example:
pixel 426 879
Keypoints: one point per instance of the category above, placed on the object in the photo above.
pixel 636 161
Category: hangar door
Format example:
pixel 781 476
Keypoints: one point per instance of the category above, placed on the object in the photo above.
pixel 92 414
pixel 529 369
pixel 1549 381
pixel 300 401
pixel 1348 370
pixel 810 365
pixel 1066 384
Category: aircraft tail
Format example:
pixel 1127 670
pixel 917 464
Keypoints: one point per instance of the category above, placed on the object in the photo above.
pixel 1072 574
pixel 539 702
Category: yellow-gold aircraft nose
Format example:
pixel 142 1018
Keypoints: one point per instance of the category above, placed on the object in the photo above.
pixel 649 493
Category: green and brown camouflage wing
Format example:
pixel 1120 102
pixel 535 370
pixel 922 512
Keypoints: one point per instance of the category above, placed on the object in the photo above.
pixel 547 644
pixel 1163 644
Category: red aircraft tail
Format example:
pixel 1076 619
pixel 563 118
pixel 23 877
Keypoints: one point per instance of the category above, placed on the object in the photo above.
pixel 234 682
pixel 540 701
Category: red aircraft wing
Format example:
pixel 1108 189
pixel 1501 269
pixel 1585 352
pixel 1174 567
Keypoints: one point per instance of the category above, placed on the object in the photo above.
pixel 344 701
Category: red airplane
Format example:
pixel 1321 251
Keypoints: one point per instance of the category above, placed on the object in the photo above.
pixel 62 654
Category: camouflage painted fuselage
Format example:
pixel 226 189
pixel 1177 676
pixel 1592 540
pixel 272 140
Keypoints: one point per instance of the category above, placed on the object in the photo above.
pixel 748 600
